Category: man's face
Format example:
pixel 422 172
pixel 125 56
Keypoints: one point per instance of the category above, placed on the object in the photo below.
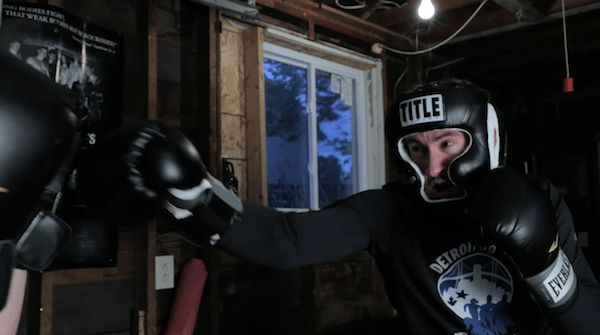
pixel 433 151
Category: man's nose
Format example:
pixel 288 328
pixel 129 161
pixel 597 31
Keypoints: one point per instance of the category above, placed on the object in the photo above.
pixel 437 163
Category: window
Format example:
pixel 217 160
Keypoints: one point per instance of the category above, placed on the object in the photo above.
pixel 318 133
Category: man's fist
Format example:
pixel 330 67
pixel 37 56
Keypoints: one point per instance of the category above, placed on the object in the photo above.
pixel 127 175
pixel 515 213
pixel 147 167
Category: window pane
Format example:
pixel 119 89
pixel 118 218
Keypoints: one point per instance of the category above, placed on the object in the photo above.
pixel 335 96
pixel 287 135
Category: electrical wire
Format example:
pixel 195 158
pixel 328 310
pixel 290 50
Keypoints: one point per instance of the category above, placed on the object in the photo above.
pixel 446 64
pixel 426 76
pixel 397 5
pixel 565 39
pixel 361 5
pixel 398 81
pixel 424 51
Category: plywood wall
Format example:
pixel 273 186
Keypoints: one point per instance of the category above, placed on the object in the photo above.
pixel 242 107
pixel 233 108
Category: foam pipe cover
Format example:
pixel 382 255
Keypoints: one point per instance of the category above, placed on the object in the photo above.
pixel 182 317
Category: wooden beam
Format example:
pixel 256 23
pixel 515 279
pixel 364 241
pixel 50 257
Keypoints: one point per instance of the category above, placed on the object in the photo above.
pixel 46 303
pixel 481 22
pixel 371 8
pixel 311 31
pixel 144 278
pixel 209 129
pixel 145 235
pixel 389 34
pixel 485 28
pixel 543 6
pixel 146 28
pixel 208 134
pixel 521 10
pixel 395 16
pixel 334 19
pixel 34 302
pixel 215 28
pixel 256 142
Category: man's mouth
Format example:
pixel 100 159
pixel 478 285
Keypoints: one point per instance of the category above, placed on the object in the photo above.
pixel 442 187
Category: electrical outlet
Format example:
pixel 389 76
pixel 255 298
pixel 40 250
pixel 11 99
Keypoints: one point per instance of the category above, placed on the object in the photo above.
pixel 165 272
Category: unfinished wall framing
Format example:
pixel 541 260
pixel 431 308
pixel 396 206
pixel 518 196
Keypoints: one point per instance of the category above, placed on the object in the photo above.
pixel 336 299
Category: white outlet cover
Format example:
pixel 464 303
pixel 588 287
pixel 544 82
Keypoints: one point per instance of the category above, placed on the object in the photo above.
pixel 165 272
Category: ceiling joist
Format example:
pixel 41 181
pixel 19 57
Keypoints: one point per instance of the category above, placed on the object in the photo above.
pixel 522 11
pixel 336 20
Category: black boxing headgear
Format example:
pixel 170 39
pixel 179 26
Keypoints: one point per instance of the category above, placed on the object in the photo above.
pixel 447 105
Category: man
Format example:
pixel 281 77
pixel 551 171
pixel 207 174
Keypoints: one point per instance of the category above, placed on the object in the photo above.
pixel 464 247
pixel 39 61
pixel 15 49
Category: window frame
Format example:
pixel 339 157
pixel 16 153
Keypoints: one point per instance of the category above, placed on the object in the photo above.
pixel 367 108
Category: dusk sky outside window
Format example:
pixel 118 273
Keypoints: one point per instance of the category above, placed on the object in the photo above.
pixel 291 142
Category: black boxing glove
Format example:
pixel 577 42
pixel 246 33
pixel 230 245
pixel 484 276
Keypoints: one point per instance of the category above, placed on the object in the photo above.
pixel 515 213
pixel 146 167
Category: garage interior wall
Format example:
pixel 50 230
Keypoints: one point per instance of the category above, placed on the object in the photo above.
pixel 204 74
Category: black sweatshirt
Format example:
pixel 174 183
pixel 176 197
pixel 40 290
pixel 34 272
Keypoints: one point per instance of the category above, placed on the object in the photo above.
pixel 438 276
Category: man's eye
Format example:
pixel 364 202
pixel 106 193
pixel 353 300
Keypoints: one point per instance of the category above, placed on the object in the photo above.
pixel 414 148
pixel 447 144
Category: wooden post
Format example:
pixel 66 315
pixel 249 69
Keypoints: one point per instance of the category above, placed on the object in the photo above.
pixel 34 303
pixel 46 303
pixel 146 27
pixel 209 138
pixel 145 235
pixel 311 31
pixel 209 120
pixel 256 147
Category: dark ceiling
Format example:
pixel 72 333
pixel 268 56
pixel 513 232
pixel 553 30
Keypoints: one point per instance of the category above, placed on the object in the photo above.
pixel 507 43
pixel 515 48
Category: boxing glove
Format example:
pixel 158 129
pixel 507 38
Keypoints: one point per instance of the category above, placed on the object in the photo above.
pixel 513 212
pixel 145 168
pixel 40 134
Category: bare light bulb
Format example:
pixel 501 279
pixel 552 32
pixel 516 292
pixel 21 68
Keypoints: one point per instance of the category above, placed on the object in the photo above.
pixel 426 10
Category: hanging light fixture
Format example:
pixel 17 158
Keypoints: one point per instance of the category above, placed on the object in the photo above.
pixel 426 10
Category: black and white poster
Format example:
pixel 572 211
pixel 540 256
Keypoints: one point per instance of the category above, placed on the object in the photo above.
pixel 81 56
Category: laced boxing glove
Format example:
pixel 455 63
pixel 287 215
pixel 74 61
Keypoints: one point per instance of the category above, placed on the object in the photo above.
pixel 515 213
pixel 146 167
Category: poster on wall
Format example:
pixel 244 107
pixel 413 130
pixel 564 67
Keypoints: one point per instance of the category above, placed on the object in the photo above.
pixel 81 56
pixel 88 60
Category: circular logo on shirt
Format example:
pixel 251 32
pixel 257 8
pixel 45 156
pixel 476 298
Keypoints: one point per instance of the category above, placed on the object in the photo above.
pixel 479 288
